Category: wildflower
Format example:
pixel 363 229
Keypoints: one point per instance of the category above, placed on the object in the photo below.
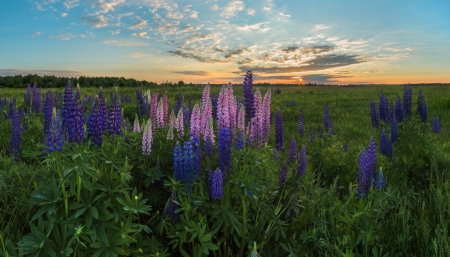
pixel 383 142
pixel 248 96
pixel 301 124
pixel 177 162
pixel 68 112
pixel 311 135
pixel 283 173
pixel 225 140
pixel 302 162
pixel 78 122
pixel 380 181
pixel 239 143
pixel 196 121
pixel 389 147
pixel 326 118
pixel 363 175
pixel 345 147
pixel 372 159
pixel 15 135
pixel 399 115
pixel 147 139
pixel 114 121
pixel 407 100
pixel 279 138
pixel 136 125
pixel 436 125
pixel 216 185
pixel 374 114
pixel 292 156
pixel 188 165
pixel 48 110
pixel 95 123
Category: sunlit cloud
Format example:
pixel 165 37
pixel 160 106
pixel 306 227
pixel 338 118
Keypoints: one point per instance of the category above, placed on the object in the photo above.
pixel 142 34
pixel 36 34
pixel 193 73
pixel 321 27
pixel 139 25
pixel 69 4
pixel 262 27
pixel 62 37
pixel 96 21
pixel 115 32
pixel 232 8
pixel 137 55
pixel 131 43
pixel 64 14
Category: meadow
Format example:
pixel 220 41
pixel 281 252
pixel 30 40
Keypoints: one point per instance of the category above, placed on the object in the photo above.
pixel 119 175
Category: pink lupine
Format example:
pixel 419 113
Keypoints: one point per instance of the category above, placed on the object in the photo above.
pixel 160 115
pixel 172 118
pixel 266 115
pixel 196 121
pixel 136 126
pixel 206 94
pixel 231 108
pixel 209 131
pixel 257 99
pixel 147 139
pixel 179 124
pixel 170 132
pixel 153 108
pixel 165 107
pixel 241 118
pixel 206 114
pixel 223 113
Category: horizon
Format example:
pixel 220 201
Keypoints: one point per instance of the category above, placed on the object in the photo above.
pixel 282 42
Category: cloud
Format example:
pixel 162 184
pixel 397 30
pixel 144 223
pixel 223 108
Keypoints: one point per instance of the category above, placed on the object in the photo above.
pixel 282 16
pixel 245 61
pixel 39 7
pixel 232 8
pixel 235 53
pixel 131 43
pixel 120 16
pixel 141 34
pixel 250 12
pixel 36 34
pixel 262 27
pixel 194 15
pixel 321 27
pixel 96 21
pixel 174 15
pixel 309 50
pixel 323 78
pixel 215 7
pixel 193 73
pixel 137 55
pixel 64 14
pixel 62 37
pixel 105 7
pixel 69 4
pixel 139 25
pixel 198 57
pixel 319 63
pixel 115 32
pixel 59 73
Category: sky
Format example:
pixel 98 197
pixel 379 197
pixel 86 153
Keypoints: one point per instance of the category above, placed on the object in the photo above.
pixel 217 41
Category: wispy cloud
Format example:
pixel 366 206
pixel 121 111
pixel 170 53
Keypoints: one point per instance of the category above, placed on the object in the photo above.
pixel 139 25
pixel 63 37
pixel 232 8
pixel 105 7
pixel 250 12
pixel 137 55
pixel 115 32
pixel 194 15
pixel 262 27
pixel 36 34
pixel 39 6
pixel 193 73
pixel 64 14
pixel 174 15
pixel 321 27
pixel 131 43
pixel 142 34
pixel 96 21
pixel 69 4
pixel 65 73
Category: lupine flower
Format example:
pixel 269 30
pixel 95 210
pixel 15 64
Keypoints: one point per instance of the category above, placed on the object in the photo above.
pixel 311 135
pixel 153 108
pixel 174 206
pixel 389 147
pixel 279 137
pixel 266 115
pixel 78 123
pixel 372 159
pixel 95 123
pixel 363 175
pixel 178 103
pixel 345 147
pixel 216 185
pixel 179 124
pixel 15 135
pixel 196 121
pixel 165 103
pixel 384 107
pixel 374 114
pixel 54 136
pixel 214 102
pixel 147 139
pixel 239 144
pixel 399 115
pixel 407 100
pixel 136 126
pixel 114 121
pixel 320 135
pixel 436 125
pixel 301 124
pixel 198 155
pixel 394 129
pixel 225 140
pixel 231 108
pixel 48 110
pixel 209 147
pixel 257 122
pixel 27 98
pixel 170 132
pixel 188 165
pixel 283 173
pixel 248 96
pixel 68 113
pixel 380 181
pixel 422 107
pixel 292 155
pixel 275 155
pixel 160 120
pixel 326 118
pixel 102 114
pixel 206 108
pixel 383 142
pixel 302 162
pixel 223 113
pixel 36 99
pixel 241 119
pixel 177 162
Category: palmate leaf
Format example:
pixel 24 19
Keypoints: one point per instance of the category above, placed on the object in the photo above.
pixel 48 197
pixel 134 205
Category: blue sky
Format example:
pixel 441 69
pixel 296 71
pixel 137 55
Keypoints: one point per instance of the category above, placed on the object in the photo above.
pixel 331 41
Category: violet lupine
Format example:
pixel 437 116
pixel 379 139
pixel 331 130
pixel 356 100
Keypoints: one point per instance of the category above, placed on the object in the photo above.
pixel 136 125
pixel 407 101
pixel 345 147
pixel 241 119
pixel 196 118
pixel 68 112
pixel 374 114
pixel 165 104
pixel 239 143
pixel 283 173
pixel 389 147
pixel 208 136
pixel 292 155
pixel 102 116
pixel 188 165
pixel 363 175
pixel 153 108
pixel 311 135
pixel 223 113
pixel 301 123
pixel 16 132
pixel 248 96
pixel 161 122
pixel 177 162
pixel 422 109
pixel 36 99
pixel 216 185
pixel 54 135
pixel 179 124
pixel 436 125
pixel 231 108
pixel 206 107
pixel 48 110
pixel 172 118
pixel 178 103
pixel 27 97
pixel 78 122
pixel 114 121
pixel 279 137
pixel 326 118
pixel 394 129
pixel 12 104
pixel 266 115
pixel 320 135
pixel 399 111
pixel 383 142
pixel 372 159
pixel 391 111
pixel 380 184
pixel 302 162
pixel 95 123
pixel 257 122
pixel 147 138
pixel 174 206
pixel 225 141
pixel 198 156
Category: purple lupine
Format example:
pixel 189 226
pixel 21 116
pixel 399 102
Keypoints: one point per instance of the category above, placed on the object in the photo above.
pixel 389 147
pixel 165 103
pixel 292 155
pixel 399 111
pixel 198 155
pixel 225 141
pixel 15 136
pixel 174 206
pixel 206 108
pixel 248 96
pixel 384 107
pixel 196 118
pixel 374 114
pixel 95 123
pixel 372 159
pixel 153 108
pixel 326 118
pixel 216 185
pixel 27 98
pixel 147 139
pixel 160 120
pixel 380 184
pixel 383 142
pixel 78 135
pixel 177 162
pixel 36 99
pixel 231 108
pixel 241 119
pixel 279 137
pixel 266 115
pixel 12 104
pixel 436 125
pixel 311 135
pixel 345 147
pixel 136 125
pixel 363 175
pixel 394 129
pixel 48 110
pixel 179 124
pixel 257 122
pixel 54 135
pixel 170 132
pixel 320 134
pixel 178 103
pixel 301 123
pixel 114 121
pixel 214 102
pixel 102 116
pixel 302 162
pixel 407 101
pixel 239 143
pixel 68 113
pixel 223 114
pixel 283 173
pixel 422 107
pixel 188 165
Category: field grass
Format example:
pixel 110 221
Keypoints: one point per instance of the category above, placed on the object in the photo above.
pixel 319 214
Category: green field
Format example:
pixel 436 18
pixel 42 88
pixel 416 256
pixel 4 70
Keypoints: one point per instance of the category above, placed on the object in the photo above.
pixel 114 201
